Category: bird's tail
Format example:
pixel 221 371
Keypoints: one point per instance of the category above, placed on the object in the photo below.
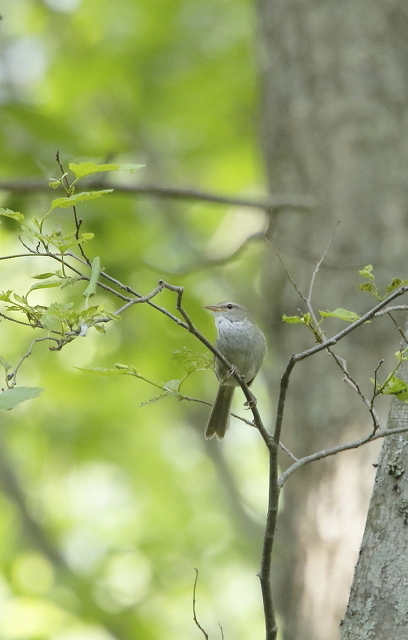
pixel 218 422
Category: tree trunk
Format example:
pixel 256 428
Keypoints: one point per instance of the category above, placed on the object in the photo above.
pixel 334 86
pixel 378 605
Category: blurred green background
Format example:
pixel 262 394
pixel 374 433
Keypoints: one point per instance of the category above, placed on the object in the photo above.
pixel 130 496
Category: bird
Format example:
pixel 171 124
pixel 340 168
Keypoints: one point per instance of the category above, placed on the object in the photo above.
pixel 243 344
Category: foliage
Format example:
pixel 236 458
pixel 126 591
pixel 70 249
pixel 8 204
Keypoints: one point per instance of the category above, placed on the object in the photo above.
pixel 107 507
pixel 126 494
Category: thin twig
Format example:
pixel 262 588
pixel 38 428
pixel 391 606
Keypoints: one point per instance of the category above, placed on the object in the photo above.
pixel 288 452
pixel 68 191
pixel 377 387
pixel 354 385
pixel 205 634
pixel 291 280
pixel 401 307
pixel 11 377
pixel 399 329
pixel 27 324
pixel 314 274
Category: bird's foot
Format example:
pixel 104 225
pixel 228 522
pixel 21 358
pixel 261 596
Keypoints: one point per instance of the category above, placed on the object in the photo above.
pixel 251 403
pixel 231 372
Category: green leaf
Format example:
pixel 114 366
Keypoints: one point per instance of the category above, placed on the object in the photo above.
pixel 396 387
pixel 15 215
pixel 63 243
pixel 401 355
pixel 6 365
pixel 128 368
pixel 367 272
pixel 305 319
pixel 78 197
pixel 44 285
pixel 93 282
pixel 172 386
pixel 87 168
pixel 191 362
pixel 367 286
pixel 101 371
pixel 397 282
pixel 12 397
pixel 43 276
pixel 99 328
pixel 342 314
pixel 292 319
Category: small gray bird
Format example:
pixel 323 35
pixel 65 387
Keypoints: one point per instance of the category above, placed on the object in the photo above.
pixel 243 344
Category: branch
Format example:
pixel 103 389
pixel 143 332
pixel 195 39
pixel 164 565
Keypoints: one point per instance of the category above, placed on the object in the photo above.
pixel 30 526
pixel 383 312
pixel 264 574
pixel 354 385
pixel 270 205
pixel 352 326
pixel 272 442
pixel 295 358
pixel 275 483
pixel 325 453
pixel 189 326
pixel 11 377
pixel 207 263
pixel 205 634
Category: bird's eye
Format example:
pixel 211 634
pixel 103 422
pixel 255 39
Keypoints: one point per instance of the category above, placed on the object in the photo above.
pixel 229 306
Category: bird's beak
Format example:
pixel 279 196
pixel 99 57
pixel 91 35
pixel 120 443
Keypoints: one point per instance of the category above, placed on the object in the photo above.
pixel 214 308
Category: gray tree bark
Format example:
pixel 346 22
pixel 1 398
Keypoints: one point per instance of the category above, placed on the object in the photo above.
pixel 334 89
pixel 378 605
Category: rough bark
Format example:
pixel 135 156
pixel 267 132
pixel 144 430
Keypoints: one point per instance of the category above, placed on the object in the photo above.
pixel 378 605
pixel 334 86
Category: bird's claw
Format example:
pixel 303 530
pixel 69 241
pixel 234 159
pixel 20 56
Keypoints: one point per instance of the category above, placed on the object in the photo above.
pixel 232 371
pixel 250 404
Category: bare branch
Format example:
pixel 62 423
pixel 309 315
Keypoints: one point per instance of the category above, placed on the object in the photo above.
pixel 11 377
pixel 27 324
pixel 270 205
pixel 325 453
pixel 383 312
pixel 211 263
pixel 316 271
pixel 288 452
pixel 354 384
pixel 291 280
